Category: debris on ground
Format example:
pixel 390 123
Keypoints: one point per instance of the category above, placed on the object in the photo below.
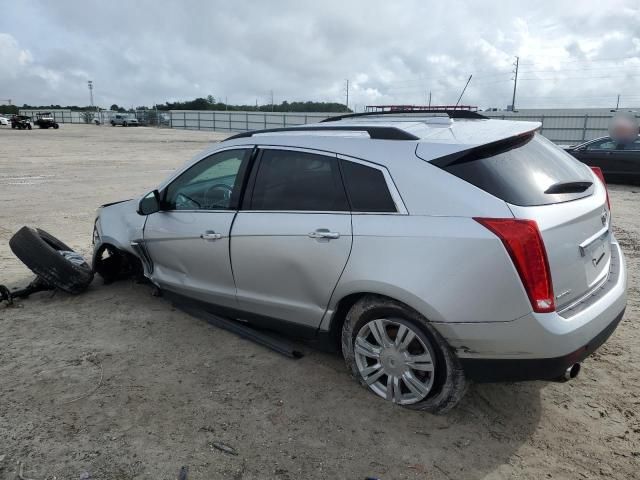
pixel 224 448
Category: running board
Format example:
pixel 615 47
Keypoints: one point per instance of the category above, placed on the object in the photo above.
pixel 266 339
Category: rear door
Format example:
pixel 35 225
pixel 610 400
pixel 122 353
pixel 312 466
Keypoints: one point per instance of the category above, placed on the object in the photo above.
pixel 540 181
pixel 292 238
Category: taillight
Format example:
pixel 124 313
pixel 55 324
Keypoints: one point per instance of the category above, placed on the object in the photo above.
pixel 524 244
pixel 600 175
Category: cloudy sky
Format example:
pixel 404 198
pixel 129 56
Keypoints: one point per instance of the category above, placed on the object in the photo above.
pixel 141 52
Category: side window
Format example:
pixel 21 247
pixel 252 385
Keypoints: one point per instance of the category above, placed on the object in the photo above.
pixel 290 180
pixel 367 188
pixel 604 144
pixel 211 184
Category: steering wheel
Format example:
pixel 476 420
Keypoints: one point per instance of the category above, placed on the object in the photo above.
pixel 218 195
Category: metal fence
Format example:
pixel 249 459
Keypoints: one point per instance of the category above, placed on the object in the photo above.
pixel 559 128
pixel 145 117
pixel 232 121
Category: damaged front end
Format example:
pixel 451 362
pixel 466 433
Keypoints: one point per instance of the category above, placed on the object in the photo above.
pixel 117 250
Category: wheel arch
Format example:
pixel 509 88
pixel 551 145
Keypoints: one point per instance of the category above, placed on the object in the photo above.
pixel 335 321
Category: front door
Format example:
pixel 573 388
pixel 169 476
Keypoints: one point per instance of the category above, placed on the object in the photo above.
pixel 292 238
pixel 188 240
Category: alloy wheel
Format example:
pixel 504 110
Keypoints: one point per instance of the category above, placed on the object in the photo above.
pixel 394 360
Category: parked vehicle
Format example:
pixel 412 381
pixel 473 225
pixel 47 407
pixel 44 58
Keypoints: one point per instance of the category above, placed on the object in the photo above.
pixel 620 162
pixel 124 120
pixel 45 120
pixel 3 120
pixel 429 250
pixel 21 122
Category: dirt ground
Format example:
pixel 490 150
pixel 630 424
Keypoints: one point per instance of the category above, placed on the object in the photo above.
pixel 116 384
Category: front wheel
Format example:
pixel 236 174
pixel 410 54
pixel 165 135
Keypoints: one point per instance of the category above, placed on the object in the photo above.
pixel 124 124
pixel 29 127
pixel 55 126
pixel 396 353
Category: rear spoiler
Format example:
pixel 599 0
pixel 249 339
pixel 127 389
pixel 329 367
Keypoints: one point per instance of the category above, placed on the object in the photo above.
pixel 484 151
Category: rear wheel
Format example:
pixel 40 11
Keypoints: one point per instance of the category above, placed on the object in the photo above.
pixel 29 126
pixel 124 124
pixel 397 354
pixel 55 126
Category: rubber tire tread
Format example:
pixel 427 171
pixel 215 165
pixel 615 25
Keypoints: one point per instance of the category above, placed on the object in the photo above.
pixel 38 250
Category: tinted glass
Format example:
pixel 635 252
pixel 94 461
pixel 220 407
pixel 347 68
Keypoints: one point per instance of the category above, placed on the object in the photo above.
pixel 605 144
pixel 211 184
pixel 367 188
pixel 289 180
pixel 521 175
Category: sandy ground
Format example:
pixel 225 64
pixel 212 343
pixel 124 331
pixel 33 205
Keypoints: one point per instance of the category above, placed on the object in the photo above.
pixel 116 384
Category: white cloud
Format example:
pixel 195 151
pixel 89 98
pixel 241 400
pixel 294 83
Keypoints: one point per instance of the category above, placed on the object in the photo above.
pixel 394 52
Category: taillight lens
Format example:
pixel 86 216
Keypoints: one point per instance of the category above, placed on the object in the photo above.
pixel 524 244
pixel 600 175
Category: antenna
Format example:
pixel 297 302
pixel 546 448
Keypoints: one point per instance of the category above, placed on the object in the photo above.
pixel 463 90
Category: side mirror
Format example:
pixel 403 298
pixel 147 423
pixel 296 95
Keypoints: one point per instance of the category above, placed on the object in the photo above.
pixel 150 203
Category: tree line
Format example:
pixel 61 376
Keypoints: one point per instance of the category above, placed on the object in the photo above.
pixel 209 103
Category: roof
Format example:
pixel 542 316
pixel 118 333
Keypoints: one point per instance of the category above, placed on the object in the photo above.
pixel 429 136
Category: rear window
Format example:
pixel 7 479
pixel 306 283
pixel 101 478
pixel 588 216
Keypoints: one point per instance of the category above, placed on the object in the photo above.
pixel 521 175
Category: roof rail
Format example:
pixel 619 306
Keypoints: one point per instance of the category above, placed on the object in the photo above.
pixel 376 133
pixel 451 113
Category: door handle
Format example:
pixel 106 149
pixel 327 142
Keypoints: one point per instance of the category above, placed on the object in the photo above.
pixel 324 233
pixel 211 235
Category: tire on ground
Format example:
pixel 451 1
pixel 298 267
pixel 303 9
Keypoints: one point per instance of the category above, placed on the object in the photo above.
pixel 450 383
pixel 40 251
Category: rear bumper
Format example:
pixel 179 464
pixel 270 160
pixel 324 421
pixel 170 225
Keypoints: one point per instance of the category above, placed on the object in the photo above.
pixel 515 370
pixel 541 346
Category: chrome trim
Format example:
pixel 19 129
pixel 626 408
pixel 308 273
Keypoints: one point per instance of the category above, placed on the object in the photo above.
pixel 592 239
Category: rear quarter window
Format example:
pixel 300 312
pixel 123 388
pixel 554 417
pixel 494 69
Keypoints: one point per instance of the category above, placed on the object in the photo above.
pixel 367 188
pixel 522 174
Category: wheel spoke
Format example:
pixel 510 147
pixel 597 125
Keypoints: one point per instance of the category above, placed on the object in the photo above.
pixel 404 337
pixel 420 362
pixel 416 386
pixel 369 370
pixel 394 394
pixel 374 377
pixel 367 349
pixel 379 332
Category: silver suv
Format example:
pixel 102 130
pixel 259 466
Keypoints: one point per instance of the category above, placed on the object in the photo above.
pixel 430 250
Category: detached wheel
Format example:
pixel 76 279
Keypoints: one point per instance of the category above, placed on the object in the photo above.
pixel 394 352
pixel 51 259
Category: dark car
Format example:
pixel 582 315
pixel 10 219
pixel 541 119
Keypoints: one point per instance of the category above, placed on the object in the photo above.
pixel 21 122
pixel 620 162
pixel 45 120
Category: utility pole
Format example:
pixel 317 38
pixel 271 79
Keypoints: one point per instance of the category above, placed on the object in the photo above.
pixel 90 83
pixel 618 102
pixel 226 103
pixel 515 84
pixel 347 92
pixel 429 99
pixel 271 92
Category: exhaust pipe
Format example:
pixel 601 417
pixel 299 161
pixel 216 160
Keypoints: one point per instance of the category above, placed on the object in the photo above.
pixel 571 372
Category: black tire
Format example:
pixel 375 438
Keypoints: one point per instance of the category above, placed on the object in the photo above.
pixel 55 126
pixel 113 124
pixel 38 250
pixel 449 385
pixel 29 126
pixel 124 124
